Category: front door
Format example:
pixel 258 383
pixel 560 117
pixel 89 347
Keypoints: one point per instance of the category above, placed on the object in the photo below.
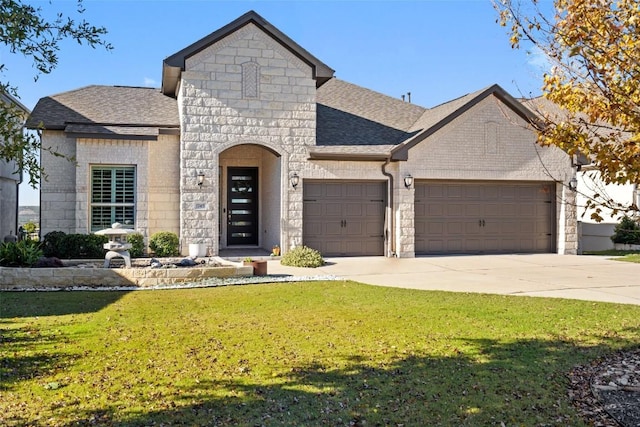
pixel 242 206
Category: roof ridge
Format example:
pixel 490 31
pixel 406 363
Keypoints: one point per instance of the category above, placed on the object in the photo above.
pixel 392 98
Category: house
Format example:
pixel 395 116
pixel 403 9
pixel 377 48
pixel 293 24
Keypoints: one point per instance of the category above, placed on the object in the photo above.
pixel 252 142
pixel 595 231
pixel 10 179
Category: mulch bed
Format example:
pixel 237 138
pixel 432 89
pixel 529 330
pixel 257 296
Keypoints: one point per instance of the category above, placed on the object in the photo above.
pixel 607 391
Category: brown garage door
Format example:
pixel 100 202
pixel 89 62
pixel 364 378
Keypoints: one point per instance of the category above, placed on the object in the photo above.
pixel 484 217
pixel 344 218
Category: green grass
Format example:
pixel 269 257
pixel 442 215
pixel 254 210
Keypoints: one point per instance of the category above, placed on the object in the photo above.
pixel 304 354
pixel 622 255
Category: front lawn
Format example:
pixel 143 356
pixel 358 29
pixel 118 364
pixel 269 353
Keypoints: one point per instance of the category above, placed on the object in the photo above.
pixel 304 354
pixel 620 255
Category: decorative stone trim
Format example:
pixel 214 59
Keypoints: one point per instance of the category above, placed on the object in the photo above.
pixel 68 277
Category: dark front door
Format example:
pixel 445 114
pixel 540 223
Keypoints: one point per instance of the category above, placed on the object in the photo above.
pixel 242 206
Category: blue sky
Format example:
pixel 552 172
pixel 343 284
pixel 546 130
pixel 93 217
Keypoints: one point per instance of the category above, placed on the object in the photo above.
pixel 437 50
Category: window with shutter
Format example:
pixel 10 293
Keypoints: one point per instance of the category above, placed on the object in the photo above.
pixel 112 196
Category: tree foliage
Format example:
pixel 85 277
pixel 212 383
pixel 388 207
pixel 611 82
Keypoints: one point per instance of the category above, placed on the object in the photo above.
pixel 592 89
pixel 25 30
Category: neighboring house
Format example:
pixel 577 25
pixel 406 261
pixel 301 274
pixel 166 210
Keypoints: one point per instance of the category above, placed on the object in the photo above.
pixel 595 235
pixel 253 142
pixel 10 179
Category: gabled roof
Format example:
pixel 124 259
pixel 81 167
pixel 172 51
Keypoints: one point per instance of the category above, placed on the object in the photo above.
pixel 113 111
pixel 175 64
pixel 7 98
pixel 358 124
pixel 438 117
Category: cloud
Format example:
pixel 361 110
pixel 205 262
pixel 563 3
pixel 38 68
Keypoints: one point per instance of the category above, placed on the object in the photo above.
pixel 150 82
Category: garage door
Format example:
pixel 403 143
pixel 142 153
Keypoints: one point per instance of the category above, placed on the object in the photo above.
pixel 484 217
pixel 344 218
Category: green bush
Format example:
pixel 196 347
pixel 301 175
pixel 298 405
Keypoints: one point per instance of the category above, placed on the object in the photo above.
pixel 24 253
pixel 137 244
pixel 164 243
pixel 627 231
pixel 51 243
pixel 30 227
pixel 73 246
pixel 302 256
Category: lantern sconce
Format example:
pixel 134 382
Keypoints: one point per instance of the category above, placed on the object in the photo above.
pixel 200 177
pixel 295 180
pixel 408 181
pixel 573 184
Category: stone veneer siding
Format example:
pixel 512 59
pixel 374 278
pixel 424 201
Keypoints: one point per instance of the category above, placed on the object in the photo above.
pixel 19 279
pixel 216 114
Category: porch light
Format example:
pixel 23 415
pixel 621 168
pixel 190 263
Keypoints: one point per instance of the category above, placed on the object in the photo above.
pixel 408 181
pixel 200 178
pixel 573 184
pixel 295 180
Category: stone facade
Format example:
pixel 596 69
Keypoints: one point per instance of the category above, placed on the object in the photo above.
pixel 220 109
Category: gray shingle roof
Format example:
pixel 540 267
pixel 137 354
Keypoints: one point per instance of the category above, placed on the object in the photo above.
pixel 107 109
pixel 352 122
pixel 367 104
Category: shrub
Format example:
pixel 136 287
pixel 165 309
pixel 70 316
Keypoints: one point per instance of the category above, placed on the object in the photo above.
pixel 51 243
pixel 627 231
pixel 164 243
pixel 30 227
pixel 24 253
pixel 77 246
pixel 137 244
pixel 302 256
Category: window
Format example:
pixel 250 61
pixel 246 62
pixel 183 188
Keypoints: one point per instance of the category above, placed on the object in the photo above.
pixel 112 197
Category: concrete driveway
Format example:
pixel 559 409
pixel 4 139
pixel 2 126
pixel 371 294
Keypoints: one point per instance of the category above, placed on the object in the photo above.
pixel 588 278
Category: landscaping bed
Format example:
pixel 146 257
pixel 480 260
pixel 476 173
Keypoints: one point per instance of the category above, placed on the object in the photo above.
pixel 89 273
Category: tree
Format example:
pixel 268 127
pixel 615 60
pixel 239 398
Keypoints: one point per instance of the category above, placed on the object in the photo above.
pixel 592 89
pixel 25 30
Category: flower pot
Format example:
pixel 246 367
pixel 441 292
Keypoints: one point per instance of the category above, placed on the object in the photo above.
pixel 197 250
pixel 259 267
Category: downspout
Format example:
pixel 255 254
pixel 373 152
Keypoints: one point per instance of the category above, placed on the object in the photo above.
pixel 17 222
pixel 388 229
pixel 40 236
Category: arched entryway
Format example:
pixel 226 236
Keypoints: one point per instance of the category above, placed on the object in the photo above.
pixel 250 196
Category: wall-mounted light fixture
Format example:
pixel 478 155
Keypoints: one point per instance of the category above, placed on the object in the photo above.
pixel 573 184
pixel 408 181
pixel 295 180
pixel 200 177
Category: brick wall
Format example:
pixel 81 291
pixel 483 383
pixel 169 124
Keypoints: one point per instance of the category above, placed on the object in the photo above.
pixel 111 152
pixel 164 186
pixel 58 194
pixel 489 142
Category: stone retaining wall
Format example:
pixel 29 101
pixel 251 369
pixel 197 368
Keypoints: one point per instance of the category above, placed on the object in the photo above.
pixel 68 277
